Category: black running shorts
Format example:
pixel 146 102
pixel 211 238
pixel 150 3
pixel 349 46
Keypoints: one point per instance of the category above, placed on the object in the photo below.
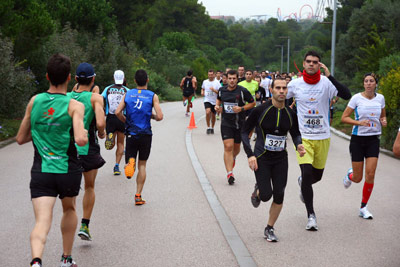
pixel 209 105
pixel 113 124
pixel 231 133
pixel 55 184
pixel 188 93
pixel 138 143
pixel 91 162
pixel 364 147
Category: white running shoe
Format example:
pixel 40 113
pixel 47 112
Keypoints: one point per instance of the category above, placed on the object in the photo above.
pixel 346 180
pixel 185 102
pixel 312 223
pixel 365 213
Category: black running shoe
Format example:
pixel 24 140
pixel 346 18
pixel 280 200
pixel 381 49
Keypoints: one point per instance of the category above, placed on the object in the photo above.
pixel 208 131
pixel 231 179
pixel 270 235
pixel 255 199
pixel 211 131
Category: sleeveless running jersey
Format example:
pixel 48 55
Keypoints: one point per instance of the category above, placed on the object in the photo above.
pixel 92 147
pixel 51 128
pixel 113 95
pixel 187 84
pixel 139 106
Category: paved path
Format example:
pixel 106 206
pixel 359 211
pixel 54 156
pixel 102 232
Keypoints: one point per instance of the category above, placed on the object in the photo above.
pixel 177 226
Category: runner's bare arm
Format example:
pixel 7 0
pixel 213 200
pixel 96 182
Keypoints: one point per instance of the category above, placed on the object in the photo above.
pixel 96 90
pixel 156 104
pixel 396 145
pixel 383 118
pixel 217 105
pixel 182 82
pixel 77 112
pixel 120 110
pixel 194 83
pixel 24 134
pixel 346 118
pixel 98 107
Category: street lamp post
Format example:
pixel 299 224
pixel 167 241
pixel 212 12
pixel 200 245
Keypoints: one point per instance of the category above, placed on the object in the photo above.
pixel 281 46
pixel 333 39
pixel 288 50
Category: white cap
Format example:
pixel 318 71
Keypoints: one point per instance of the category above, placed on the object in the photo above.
pixel 119 77
pixel 266 71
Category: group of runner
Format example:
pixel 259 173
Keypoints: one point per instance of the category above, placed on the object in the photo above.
pixel 63 127
pixel 300 105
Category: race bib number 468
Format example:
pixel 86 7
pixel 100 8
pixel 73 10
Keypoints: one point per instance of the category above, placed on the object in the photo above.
pixel 313 121
pixel 274 142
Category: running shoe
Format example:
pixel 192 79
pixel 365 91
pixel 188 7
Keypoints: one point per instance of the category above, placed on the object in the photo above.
pixel 255 199
pixel 231 179
pixel 299 180
pixel 187 114
pixel 312 223
pixel 35 264
pixel 212 131
pixel 67 262
pixel 208 131
pixel 116 170
pixel 346 180
pixel 185 103
pixel 365 213
pixel 139 200
pixel 109 144
pixel 270 235
pixel 84 233
pixel 130 168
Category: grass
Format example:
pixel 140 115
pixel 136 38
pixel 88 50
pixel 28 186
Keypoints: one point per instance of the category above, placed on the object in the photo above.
pixel 9 128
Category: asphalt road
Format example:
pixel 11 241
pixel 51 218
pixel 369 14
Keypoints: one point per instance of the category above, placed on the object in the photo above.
pixel 177 227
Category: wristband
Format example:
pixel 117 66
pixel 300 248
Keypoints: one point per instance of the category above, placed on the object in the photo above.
pixel 242 108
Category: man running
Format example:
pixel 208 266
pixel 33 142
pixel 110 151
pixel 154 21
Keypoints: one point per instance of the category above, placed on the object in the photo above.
pixel 241 76
pixel 249 84
pixel 53 121
pixel 89 155
pixel 188 86
pixel 113 95
pixel 139 104
pixel 233 99
pixel 313 93
pixel 209 89
pixel 269 161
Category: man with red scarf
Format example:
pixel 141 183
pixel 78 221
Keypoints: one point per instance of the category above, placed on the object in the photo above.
pixel 313 94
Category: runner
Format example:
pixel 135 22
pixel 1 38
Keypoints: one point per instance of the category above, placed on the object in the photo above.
pixel 241 76
pixel 396 145
pixel 188 85
pixel 269 161
pixel 218 76
pixel 250 84
pixel 233 98
pixel 209 89
pixel 89 155
pixel 370 116
pixel 139 104
pixel 52 122
pixel 313 94
pixel 261 94
pixel 114 127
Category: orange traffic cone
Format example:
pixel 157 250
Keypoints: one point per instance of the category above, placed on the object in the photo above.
pixel 192 123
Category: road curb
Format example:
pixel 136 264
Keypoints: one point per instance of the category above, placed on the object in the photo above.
pixel 348 137
pixel 7 142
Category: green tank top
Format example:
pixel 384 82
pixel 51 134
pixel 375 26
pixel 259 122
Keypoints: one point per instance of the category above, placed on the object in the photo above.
pixel 84 97
pixel 51 133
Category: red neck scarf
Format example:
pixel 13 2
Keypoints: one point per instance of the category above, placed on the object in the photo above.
pixel 312 79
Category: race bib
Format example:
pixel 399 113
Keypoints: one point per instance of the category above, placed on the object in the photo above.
pixel 313 121
pixel 228 107
pixel 210 93
pixel 274 142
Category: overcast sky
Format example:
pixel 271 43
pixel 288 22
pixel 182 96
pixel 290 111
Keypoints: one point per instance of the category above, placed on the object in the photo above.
pixel 247 8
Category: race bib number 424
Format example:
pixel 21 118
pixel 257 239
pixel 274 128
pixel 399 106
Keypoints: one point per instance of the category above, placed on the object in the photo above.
pixel 274 142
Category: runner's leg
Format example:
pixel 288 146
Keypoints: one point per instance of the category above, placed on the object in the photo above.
pixel 89 197
pixel 358 167
pixel 69 223
pixel 228 154
pixel 120 146
pixel 208 117
pixel 141 176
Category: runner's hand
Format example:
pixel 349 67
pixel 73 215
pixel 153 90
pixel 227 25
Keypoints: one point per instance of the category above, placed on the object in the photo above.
pixel 217 108
pixel 237 109
pixel 253 163
pixel 364 123
pixel 301 150
pixel 101 135
pixel 326 70
pixel 383 122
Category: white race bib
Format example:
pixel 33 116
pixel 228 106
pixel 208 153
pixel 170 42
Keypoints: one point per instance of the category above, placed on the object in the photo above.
pixel 210 93
pixel 228 107
pixel 274 142
pixel 313 121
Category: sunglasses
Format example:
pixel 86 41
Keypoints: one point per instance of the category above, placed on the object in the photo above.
pixel 313 61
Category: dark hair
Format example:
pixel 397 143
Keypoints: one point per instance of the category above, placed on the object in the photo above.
pixel 219 71
pixel 240 66
pixel 84 81
pixel 211 70
pixel 141 77
pixel 233 72
pixel 371 74
pixel 248 71
pixel 58 69
pixel 312 53
pixel 276 79
pixel 225 74
pixel 189 73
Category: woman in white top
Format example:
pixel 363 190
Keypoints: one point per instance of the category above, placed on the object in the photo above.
pixel 369 112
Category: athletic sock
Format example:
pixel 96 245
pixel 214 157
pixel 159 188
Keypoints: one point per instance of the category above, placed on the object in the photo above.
pixel 367 190
pixel 86 221
pixel 269 227
pixel 351 176
pixel 229 173
pixel 38 260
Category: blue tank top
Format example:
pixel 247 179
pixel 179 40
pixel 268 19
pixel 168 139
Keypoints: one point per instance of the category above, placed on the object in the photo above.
pixel 139 106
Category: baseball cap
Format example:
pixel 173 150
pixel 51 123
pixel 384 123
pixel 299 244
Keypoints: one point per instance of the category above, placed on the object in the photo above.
pixel 85 70
pixel 119 77
pixel 266 71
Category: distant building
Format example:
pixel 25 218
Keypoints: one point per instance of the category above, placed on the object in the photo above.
pixel 224 18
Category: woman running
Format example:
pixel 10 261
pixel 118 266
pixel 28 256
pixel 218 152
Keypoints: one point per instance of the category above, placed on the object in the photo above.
pixel 369 109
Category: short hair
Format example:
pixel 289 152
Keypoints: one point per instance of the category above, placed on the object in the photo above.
pixel 225 74
pixel 277 79
pixel 233 72
pixel 211 70
pixel 312 53
pixel 189 73
pixel 240 66
pixel 219 71
pixel 84 80
pixel 141 77
pixel 248 71
pixel 58 69
pixel 264 71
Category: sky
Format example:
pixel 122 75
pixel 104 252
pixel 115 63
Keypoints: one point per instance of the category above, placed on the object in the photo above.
pixel 247 8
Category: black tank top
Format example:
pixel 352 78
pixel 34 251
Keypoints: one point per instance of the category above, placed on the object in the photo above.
pixel 188 86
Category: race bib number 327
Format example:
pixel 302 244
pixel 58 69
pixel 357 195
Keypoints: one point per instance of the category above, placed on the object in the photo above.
pixel 274 142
